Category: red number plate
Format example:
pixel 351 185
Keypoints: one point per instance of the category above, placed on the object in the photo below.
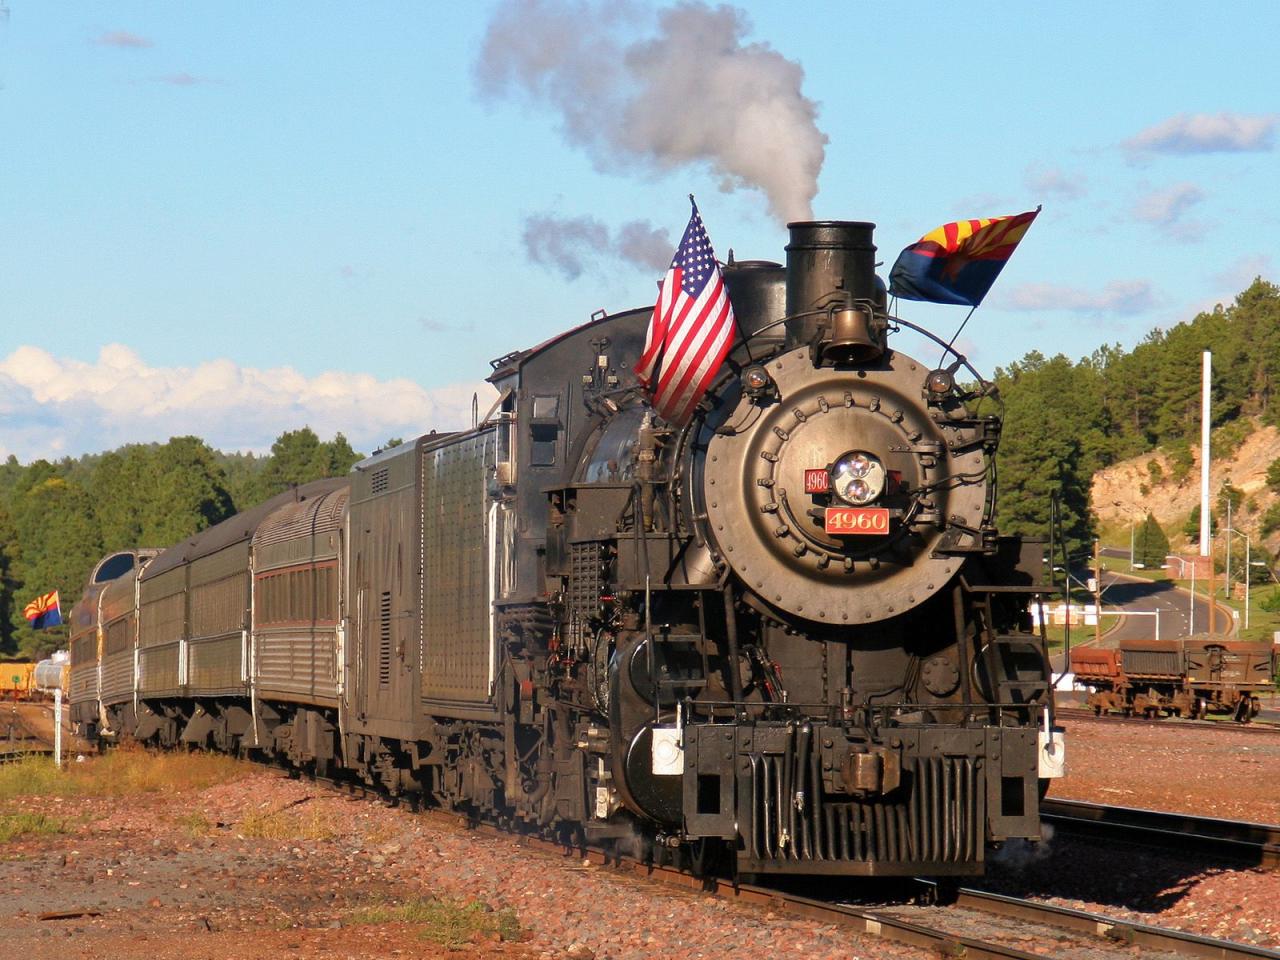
pixel 817 481
pixel 857 521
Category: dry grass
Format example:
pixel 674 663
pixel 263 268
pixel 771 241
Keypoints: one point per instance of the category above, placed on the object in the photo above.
pixel 195 823
pixel 119 772
pixel 14 825
pixel 310 824
pixel 448 923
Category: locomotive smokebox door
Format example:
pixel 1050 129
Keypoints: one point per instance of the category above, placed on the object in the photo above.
pixel 709 783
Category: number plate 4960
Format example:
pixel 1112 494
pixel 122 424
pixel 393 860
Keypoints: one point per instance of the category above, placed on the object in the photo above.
pixel 857 521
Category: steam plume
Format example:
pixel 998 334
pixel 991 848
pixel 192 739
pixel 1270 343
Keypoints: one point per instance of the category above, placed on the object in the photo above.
pixel 569 244
pixel 693 93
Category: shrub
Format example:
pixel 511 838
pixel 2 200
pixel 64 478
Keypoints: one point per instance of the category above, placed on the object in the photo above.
pixel 13 825
pixel 119 772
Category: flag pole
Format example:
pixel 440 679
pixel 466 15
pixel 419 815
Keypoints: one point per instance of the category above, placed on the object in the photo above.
pixel 736 322
pixel 956 335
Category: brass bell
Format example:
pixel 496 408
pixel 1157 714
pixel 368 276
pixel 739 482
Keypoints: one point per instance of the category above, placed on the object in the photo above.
pixel 851 338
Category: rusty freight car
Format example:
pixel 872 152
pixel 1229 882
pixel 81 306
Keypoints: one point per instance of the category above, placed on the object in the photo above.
pixel 1191 677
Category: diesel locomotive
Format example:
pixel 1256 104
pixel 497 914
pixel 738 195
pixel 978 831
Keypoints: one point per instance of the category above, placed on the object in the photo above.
pixel 785 636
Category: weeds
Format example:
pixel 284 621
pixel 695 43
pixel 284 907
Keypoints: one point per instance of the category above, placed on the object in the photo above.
pixel 14 825
pixel 287 825
pixel 121 771
pixel 444 922
pixel 195 823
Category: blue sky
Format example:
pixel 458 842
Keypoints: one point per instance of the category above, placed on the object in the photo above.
pixel 233 219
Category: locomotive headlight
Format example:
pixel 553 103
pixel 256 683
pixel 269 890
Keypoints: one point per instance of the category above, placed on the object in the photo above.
pixel 858 478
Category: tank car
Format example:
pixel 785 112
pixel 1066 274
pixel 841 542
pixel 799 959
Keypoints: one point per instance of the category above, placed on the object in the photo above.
pixel 785 636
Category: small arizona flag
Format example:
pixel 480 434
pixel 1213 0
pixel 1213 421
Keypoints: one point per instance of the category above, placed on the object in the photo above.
pixel 44 611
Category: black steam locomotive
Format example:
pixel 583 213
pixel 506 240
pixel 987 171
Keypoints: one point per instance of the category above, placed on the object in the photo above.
pixel 786 635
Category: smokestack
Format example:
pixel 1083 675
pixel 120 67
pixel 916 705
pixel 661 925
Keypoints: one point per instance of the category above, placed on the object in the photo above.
pixel 1204 455
pixel 827 260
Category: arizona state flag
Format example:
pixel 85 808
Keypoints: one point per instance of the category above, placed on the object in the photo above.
pixel 44 611
pixel 958 262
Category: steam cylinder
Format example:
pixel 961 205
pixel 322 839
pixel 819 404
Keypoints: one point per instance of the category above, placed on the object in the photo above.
pixel 827 258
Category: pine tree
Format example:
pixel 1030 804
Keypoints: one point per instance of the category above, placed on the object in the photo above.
pixel 1151 546
pixel 60 540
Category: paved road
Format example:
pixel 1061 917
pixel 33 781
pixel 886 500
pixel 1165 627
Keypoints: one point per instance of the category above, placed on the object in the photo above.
pixel 1174 604
pixel 1136 594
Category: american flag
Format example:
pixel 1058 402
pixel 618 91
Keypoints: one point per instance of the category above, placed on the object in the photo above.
pixel 691 329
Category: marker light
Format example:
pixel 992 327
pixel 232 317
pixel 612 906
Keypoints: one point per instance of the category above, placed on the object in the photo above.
pixel 755 379
pixel 939 382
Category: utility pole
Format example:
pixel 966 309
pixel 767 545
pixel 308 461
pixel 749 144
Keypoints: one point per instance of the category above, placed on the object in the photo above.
pixel 1229 532
pixel 1097 594
pixel 1205 401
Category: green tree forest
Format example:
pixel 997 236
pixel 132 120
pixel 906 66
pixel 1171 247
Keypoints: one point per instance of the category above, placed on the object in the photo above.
pixel 58 519
pixel 1064 420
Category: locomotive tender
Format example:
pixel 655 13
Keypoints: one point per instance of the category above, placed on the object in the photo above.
pixel 786 635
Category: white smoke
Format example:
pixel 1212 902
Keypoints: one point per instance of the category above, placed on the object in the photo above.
pixel 691 94
pixel 571 244
pixel 1020 854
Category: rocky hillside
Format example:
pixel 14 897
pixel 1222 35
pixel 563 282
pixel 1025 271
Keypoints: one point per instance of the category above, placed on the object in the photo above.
pixel 1132 486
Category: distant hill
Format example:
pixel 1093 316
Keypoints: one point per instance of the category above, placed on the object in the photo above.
pixel 1133 487
pixel 1115 412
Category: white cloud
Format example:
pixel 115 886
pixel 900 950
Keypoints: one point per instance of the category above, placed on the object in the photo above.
pixel 1237 275
pixel 1164 207
pixel 53 407
pixel 1207 133
pixel 1123 297
pixel 124 40
pixel 1051 180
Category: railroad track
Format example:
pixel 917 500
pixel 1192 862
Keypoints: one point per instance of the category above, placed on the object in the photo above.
pixel 1076 714
pixel 1255 844
pixel 17 738
pixel 976 924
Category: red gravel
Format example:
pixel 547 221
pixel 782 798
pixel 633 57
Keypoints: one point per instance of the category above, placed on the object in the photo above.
pixel 1215 770
pixel 168 893
pixel 170 884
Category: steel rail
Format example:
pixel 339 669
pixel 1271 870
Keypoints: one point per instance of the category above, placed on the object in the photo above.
pixel 1085 714
pixel 1257 844
pixel 1110 928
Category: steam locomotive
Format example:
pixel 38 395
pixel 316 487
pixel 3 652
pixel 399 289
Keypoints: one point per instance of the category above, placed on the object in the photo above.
pixel 785 636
